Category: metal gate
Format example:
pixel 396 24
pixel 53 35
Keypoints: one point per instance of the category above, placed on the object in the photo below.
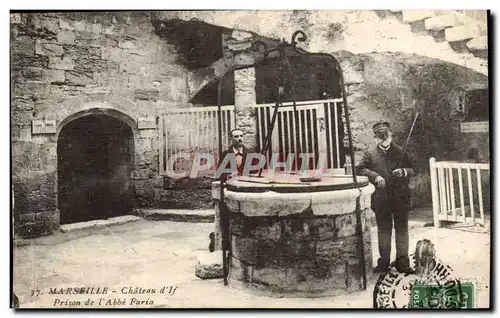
pixel 188 131
pixel 318 127
pixel 185 132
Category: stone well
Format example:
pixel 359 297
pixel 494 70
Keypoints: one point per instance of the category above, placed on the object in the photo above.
pixel 299 239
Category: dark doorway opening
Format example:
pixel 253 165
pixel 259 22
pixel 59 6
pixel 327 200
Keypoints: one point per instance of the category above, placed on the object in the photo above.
pixel 95 155
pixel 315 78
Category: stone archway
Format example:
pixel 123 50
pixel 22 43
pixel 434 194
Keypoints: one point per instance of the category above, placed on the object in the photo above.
pixel 95 154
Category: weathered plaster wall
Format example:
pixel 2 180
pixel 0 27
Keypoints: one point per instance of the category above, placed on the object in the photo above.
pixel 394 87
pixel 356 31
pixel 68 63
pixel 71 64
pixel 384 87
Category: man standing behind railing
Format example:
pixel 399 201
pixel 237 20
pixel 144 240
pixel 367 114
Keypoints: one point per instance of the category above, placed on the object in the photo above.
pixel 231 163
pixel 389 170
pixel 235 157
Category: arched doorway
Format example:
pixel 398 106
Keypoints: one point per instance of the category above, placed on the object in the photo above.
pixel 95 157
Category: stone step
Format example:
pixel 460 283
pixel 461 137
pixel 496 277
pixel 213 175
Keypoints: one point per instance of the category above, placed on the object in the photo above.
pixel 418 27
pixel 478 44
pixel 439 36
pixel 98 223
pixel 442 22
pixel 194 216
pixel 417 15
pixel 463 32
pixel 481 54
pixel 460 46
pixel 480 16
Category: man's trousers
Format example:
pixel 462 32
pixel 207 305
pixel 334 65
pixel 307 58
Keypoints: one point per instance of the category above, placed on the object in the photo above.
pixel 385 215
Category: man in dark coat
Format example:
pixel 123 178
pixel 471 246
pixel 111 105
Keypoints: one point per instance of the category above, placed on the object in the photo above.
pixel 233 159
pixel 237 152
pixel 389 170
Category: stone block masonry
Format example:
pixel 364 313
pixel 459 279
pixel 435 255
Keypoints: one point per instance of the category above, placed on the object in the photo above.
pixel 64 64
pixel 48 48
pixel 291 255
pixel 307 251
pixel 239 43
pixel 245 98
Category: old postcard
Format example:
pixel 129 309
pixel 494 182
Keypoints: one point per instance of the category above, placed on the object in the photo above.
pixel 250 159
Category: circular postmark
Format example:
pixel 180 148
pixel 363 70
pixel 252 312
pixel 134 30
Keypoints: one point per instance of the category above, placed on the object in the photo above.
pixel 432 286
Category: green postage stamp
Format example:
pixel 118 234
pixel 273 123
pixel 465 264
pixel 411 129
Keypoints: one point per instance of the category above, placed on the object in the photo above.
pixel 451 295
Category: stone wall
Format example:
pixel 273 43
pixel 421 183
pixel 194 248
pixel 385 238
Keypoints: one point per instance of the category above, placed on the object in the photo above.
pixel 67 65
pixel 356 31
pixel 393 87
pixel 409 71
pixel 299 255
pixel 297 243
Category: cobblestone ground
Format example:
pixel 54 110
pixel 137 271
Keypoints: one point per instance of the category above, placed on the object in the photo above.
pixel 157 254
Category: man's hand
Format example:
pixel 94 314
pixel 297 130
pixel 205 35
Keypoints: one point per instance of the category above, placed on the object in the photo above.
pixel 398 173
pixel 380 182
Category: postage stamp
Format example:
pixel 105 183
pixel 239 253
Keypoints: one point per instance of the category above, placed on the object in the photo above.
pixel 432 286
pixel 452 295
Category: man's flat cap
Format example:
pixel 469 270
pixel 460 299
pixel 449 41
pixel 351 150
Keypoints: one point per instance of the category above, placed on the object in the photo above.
pixel 381 126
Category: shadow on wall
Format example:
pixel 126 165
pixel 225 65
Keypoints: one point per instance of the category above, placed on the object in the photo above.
pixel 420 190
pixel 439 126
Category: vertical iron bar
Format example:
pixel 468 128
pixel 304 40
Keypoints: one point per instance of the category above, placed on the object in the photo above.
pixel 281 49
pixel 348 124
pixel 219 115
pixel 298 148
pixel 353 168
pixel 270 129
pixel 223 213
pixel 275 115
